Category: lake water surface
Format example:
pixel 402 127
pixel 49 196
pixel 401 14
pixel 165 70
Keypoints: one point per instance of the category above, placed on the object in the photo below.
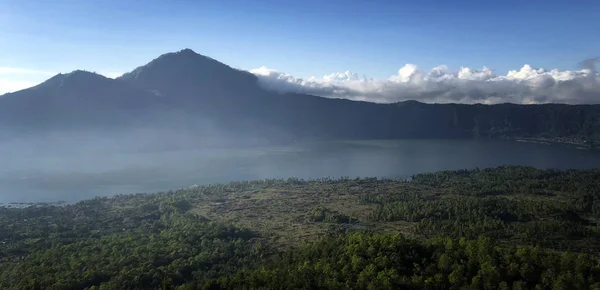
pixel 72 177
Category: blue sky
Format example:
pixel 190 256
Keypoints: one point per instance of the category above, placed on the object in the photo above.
pixel 301 38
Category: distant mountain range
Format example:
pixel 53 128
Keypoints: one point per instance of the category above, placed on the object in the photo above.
pixel 188 90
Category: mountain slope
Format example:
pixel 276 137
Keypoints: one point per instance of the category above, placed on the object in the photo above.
pixel 191 78
pixel 78 99
pixel 235 97
pixel 184 89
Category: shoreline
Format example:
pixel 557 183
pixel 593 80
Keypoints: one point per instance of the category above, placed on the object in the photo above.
pixel 570 142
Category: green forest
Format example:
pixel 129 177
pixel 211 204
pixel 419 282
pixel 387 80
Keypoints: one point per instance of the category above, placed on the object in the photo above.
pixel 499 228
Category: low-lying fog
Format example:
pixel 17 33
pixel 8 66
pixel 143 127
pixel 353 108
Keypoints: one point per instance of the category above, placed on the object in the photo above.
pixel 63 167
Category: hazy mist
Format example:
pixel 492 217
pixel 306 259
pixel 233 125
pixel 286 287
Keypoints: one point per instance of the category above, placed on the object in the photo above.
pixel 184 119
pixel 73 166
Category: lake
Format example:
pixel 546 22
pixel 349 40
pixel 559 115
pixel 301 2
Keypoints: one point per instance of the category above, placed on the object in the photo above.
pixel 71 177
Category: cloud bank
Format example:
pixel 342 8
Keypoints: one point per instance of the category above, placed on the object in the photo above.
pixel 526 85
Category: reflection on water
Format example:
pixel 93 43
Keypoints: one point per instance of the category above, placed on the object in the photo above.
pixel 79 176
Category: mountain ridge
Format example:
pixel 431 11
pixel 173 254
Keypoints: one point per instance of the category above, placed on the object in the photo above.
pixel 184 88
pixel 171 73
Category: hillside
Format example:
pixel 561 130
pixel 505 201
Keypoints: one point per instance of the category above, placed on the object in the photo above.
pixel 77 100
pixel 507 227
pixel 184 89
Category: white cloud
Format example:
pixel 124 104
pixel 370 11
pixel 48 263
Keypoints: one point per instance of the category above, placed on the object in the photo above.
pixel 4 70
pixel 526 85
pixel 14 79
pixel 466 85
pixel 7 86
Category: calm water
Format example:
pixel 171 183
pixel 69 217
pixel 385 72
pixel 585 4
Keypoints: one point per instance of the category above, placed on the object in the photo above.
pixel 74 177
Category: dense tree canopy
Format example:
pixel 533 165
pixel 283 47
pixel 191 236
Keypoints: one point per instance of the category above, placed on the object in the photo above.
pixel 501 228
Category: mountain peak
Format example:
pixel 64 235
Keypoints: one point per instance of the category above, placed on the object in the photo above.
pixel 83 74
pixel 188 73
pixel 182 61
pixel 184 53
pixel 74 77
pixel 187 51
pixel 410 102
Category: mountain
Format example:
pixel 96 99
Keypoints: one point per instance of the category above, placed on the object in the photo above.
pixel 186 90
pixel 190 77
pixel 203 89
pixel 229 95
pixel 79 99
